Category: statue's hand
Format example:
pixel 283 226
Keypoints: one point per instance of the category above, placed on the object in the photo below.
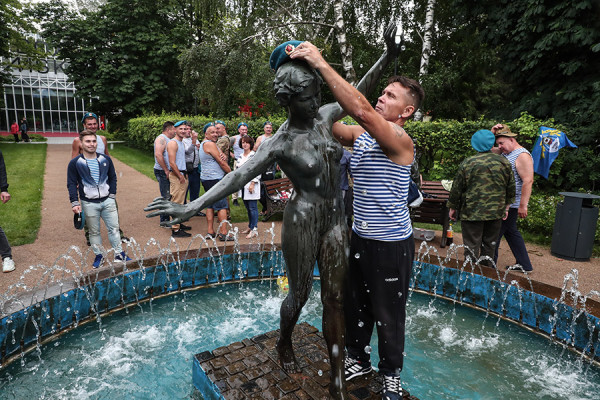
pixel 179 212
pixel 393 48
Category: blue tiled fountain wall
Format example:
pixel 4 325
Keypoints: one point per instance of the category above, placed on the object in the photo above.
pixel 31 325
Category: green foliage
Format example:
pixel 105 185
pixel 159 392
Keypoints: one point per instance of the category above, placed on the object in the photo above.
pixel 123 55
pixel 548 53
pixel 14 25
pixel 443 144
pixel 142 131
pixel 21 216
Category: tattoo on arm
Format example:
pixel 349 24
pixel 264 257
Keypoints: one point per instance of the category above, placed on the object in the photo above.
pixel 398 130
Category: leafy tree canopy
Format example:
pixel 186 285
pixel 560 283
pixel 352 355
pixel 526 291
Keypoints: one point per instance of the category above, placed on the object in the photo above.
pixel 123 56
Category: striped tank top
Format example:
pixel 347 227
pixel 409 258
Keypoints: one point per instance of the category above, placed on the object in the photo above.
pixel 380 192
pixel 512 158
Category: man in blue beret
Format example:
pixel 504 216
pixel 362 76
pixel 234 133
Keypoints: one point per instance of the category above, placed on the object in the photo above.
pixel 482 191
pixel 178 175
pixel 89 122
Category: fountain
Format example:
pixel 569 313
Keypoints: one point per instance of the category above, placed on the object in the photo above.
pixel 36 319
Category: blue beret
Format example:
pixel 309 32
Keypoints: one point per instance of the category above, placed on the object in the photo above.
pixel 483 140
pixel 88 115
pixel 220 122
pixel 208 125
pixel 179 123
pixel 242 123
pixel 281 54
pixel 267 123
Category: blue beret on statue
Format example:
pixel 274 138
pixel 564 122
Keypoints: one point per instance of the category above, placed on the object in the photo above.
pixel 483 140
pixel 281 54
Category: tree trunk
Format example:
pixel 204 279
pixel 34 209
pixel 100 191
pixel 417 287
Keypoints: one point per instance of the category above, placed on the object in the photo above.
pixel 425 53
pixel 345 47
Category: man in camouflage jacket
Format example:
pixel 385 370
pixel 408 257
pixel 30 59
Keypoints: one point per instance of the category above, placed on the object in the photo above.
pixel 482 191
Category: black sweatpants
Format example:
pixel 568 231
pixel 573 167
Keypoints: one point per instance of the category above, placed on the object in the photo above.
pixel 376 293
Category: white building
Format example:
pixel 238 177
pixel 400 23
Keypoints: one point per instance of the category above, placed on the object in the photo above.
pixel 46 98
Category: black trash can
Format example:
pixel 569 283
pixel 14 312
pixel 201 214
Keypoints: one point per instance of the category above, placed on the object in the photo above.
pixel 575 227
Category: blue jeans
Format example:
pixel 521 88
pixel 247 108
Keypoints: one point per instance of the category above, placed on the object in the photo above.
pixel 164 186
pixel 107 210
pixel 252 208
pixel 194 185
pixel 5 251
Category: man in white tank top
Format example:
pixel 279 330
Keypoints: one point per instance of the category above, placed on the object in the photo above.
pixel 90 123
pixel 382 245
pixel 522 166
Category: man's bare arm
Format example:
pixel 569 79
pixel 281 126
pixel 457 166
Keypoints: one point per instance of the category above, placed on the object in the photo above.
pixel 103 138
pixel 212 149
pixel 75 148
pixel 358 107
pixel 524 166
pixel 159 149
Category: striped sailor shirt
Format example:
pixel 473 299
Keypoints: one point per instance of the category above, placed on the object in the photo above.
pixel 512 159
pixel 380 192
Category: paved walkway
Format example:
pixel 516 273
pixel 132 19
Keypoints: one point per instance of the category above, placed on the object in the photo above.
pixel 135 191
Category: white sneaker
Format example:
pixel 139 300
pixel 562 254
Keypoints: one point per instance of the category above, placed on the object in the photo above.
pixel 252 233
pixel 8 265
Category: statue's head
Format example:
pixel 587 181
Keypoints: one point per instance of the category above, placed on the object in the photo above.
pixel 293 78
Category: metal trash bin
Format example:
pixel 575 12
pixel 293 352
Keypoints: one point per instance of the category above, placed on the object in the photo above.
pixel 574 227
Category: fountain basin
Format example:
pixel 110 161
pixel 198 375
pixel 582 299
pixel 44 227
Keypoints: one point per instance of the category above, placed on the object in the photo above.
pixel 36 317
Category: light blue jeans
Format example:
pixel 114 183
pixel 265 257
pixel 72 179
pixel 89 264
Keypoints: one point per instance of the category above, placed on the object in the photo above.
pixel 107 210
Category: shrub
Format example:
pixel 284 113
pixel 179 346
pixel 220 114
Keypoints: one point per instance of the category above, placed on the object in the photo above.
pixel 142 131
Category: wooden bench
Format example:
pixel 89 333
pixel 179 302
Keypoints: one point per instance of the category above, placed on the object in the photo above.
pixel 434 208
pixel 275 202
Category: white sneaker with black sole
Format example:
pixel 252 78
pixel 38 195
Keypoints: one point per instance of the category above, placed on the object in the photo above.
pixel 354 368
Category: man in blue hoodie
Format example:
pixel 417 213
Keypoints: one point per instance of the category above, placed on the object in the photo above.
pixel 92 184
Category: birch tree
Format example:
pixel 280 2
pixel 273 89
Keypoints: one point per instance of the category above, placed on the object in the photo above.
pixel 426 52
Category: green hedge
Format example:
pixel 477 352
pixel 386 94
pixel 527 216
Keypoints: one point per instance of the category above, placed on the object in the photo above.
pixel 142 131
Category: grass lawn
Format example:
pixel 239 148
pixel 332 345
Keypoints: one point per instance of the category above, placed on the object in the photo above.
pixel 21 216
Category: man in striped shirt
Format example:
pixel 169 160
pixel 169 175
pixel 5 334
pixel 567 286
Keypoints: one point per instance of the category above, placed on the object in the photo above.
pixel 382 245
pixel 522 166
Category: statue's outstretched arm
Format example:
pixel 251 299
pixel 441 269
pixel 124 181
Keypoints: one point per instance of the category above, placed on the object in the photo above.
pixel 369 81
pixel 230 183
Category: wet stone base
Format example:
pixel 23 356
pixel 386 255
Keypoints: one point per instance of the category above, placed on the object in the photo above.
pixel 250 370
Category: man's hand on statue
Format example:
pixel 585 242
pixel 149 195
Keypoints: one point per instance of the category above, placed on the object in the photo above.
pixel 310 53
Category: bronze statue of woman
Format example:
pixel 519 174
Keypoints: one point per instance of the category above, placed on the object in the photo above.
pixel 314 227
